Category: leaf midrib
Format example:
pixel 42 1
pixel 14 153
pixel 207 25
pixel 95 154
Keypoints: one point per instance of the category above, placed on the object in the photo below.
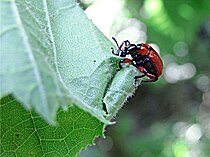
pixel 53 46
pixel 30 53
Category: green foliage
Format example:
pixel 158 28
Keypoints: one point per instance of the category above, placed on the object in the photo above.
pixel 48 59
pixel 173 21
pixel 26 134
pixel 52 57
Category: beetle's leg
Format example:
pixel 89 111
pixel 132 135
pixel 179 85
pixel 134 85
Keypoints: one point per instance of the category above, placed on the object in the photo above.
pixel 126 60
pixel 152 77
pixel 120 65
pixel 136 79
pixel 144 71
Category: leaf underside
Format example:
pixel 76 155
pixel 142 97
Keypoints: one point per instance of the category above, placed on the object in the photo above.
pixel 50 60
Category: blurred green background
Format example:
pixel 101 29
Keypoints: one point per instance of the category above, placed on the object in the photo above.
pixel 170 118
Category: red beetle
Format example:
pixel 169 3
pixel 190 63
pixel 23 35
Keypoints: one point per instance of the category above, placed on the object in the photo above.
pixel 143 57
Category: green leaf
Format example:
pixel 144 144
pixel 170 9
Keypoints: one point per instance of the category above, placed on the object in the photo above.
pixel 51 55
pixel 120 90
pixel 26 134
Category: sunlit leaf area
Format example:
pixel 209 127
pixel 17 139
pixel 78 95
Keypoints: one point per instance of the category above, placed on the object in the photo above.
pixel 169 118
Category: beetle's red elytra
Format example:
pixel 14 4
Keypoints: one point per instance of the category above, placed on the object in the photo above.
pixel 143 57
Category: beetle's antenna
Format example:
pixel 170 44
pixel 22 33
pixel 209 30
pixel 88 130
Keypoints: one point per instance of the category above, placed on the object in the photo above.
pixel 116 43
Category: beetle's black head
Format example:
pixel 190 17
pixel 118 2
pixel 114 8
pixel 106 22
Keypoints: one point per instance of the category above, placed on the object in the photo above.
pixel 121 51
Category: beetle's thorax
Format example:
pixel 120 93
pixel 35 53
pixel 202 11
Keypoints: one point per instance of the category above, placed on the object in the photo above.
pixel 131 50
